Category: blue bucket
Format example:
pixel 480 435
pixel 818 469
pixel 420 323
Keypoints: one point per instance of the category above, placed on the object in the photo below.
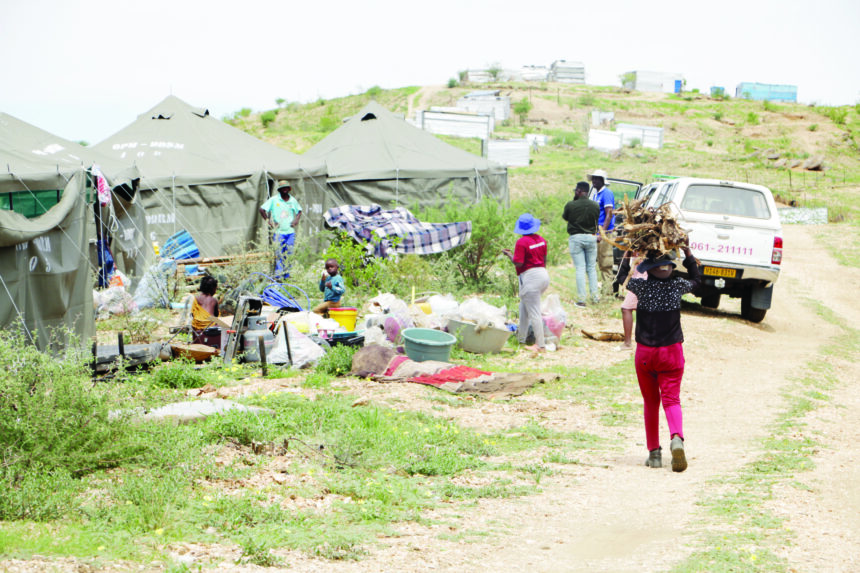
pixel 427 344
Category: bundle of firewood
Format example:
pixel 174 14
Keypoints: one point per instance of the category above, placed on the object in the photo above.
pixel 649 231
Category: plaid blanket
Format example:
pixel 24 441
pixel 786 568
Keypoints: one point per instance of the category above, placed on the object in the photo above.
pixel 371 224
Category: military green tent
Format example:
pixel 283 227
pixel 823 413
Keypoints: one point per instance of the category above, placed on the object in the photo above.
pixel 45 280
pixel 206 177
pixel 376 157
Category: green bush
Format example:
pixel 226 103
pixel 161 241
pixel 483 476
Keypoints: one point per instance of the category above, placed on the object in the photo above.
pixel 452 83
pixel 244 112
pixel 55 425
pixel 813 127
pixel 374 92
pixel 181 373
pixel 357 266
pixel 837 115
pixel 752 118
pixel 522 109
pixel 718 115
pixel 268 117
pixel 337 361
pixel 492 231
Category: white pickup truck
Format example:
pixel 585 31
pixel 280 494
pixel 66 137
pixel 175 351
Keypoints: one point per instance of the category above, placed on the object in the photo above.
pixel 736 234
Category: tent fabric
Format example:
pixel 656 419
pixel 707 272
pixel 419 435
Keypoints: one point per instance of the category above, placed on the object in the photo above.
pixel 34 159
pixel 45 269
pixel 371 224
pixel 175 143
pixel 376 157
pixel 375 144
pixel 204 176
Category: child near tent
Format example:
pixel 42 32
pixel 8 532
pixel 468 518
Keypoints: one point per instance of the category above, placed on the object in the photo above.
pixel 333 287
pixel 204 307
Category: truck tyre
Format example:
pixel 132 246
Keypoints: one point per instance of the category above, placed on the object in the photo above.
pixel 747 311
pixel 711 300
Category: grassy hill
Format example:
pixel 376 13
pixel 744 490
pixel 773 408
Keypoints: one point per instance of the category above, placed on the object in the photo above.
pixel 760 142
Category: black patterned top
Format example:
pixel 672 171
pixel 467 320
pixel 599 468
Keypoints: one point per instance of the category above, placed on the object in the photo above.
pixel 658 314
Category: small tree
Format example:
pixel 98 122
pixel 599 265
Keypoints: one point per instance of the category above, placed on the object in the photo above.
pixel 268 117
pixel 522 109
pixel 452 83
pixel 495 71
pixel 628 80
pixel 280 101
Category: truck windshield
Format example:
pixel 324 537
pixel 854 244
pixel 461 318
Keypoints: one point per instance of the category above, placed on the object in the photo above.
pixel 726 201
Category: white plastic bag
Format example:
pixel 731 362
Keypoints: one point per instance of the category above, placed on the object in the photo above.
pixel 386 303
pixel 443 305
pixel 482 313
pixel 303 350
pixel 554 316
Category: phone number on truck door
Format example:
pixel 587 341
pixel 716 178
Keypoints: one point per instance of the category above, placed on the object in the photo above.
pixel 721 249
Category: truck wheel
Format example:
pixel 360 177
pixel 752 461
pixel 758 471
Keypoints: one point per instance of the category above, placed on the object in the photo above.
pixel 748 312
pixel 711 300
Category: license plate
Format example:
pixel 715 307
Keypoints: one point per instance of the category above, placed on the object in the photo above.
pixel 718 272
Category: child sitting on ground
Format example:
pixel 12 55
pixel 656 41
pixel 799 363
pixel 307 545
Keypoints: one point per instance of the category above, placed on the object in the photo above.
pixel 204 307
pixel 331 283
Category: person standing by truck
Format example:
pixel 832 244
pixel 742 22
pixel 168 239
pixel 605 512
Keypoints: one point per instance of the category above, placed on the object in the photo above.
pixel 605 199
pixel 659 354
pixel 581 215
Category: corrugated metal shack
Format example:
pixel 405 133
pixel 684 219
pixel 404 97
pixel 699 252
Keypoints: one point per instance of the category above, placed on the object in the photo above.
pixel 602 140
pixel 487 102
pixel 534 73
pixel 769 92
pixel 507 152
pixel 567 72
pixel 455 122
pixel 599 118
pixel 645 81
pixel 648 136
pixel 477 76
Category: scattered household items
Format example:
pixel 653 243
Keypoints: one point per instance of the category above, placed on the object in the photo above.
pixel 371 225
pixel 427 344
pixel 108 357
pixel 246 308
pixel 293 347
pixel 603 335
pixel 255 329
pixel 345 316
pixel 386 365
pixel 476 339
pixel 179 246
pixel 152 288
pixel 114 300
pixel 197 352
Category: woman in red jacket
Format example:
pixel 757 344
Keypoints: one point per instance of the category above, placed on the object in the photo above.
pixel 529 258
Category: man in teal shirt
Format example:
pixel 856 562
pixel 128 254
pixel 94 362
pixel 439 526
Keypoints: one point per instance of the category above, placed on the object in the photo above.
pixel 282 213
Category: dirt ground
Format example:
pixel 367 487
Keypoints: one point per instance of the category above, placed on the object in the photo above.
pixel 613 514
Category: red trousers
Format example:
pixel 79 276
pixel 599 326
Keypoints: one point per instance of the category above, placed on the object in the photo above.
pixel 659 370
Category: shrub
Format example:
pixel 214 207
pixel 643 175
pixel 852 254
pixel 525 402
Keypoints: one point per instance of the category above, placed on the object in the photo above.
pixel 452 83
pixel 836 114
pixel 328 123
pixel 374 92
pixel 244 112
pixel 491 232
pixel 813 127
pixel 522 109
pixel 337 361
pixel 718 115
pixel 268 117
pixel 752 118
pixel 55 426
pixel 181 373
pixel 358 267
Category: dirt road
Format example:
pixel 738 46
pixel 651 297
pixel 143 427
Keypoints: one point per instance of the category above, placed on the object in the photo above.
pixel 625 517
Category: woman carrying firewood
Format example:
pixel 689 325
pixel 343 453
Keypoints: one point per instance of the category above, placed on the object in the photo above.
pixel 659 350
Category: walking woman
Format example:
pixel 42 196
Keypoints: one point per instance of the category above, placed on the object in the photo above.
pixel 529 258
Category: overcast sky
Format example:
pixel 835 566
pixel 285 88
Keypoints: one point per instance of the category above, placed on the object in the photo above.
pixel 84 69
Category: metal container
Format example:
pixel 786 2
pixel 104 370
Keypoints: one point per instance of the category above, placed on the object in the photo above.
pixel 250 339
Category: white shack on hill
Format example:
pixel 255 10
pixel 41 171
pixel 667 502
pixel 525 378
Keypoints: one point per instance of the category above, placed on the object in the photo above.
pixel 507 152
pixel 451 121
pixel 487 102
pixel 567 72
pixel 645 81
pixel 647 136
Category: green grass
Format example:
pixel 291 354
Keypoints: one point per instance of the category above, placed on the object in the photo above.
pixel 739 531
